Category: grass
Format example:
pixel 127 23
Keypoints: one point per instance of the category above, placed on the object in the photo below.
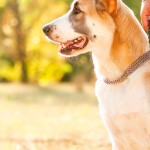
pixel 57 117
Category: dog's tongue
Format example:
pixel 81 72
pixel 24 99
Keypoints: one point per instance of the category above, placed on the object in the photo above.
pixel 73 43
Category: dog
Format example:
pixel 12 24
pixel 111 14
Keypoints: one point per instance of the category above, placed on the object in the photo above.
pixel 110 30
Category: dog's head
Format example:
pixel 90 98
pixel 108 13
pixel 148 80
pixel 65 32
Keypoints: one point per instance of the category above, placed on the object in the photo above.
pixel 88 23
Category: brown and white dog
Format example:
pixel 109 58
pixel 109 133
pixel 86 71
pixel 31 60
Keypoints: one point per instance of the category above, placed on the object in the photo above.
pixel 109 29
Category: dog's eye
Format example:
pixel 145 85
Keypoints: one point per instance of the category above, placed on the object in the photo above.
pixel 77 10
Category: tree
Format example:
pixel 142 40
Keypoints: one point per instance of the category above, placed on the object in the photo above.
pixel 21 18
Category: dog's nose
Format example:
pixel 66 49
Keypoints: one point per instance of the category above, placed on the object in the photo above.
pixel 46 29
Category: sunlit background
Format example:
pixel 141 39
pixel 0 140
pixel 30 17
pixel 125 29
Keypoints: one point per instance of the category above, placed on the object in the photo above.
pixel 47 102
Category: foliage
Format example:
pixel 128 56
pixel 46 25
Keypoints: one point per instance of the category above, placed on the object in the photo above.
pixel 135 6
pixel 82 69
pixel 23 42
pixel 25 55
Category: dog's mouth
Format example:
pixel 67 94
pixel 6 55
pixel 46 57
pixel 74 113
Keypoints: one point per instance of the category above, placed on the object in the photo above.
pixel 76 44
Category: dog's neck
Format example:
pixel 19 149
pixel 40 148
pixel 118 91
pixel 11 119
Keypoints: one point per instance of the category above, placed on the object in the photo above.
pixel 129 42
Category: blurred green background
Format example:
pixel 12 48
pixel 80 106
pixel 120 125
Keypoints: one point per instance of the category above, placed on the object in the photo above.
pixel 56 109
pixel 25 55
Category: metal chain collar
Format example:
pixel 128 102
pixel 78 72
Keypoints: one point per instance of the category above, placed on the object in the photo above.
pixel 133 67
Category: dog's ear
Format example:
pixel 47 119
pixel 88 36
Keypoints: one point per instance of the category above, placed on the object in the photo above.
pixel 112 7
pixel 109 5
pixel 99 5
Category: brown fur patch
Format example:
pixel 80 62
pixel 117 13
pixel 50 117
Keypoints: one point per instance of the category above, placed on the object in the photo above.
pixel 120 53
pixel 112 7
pixel 78 21
pixel 127 45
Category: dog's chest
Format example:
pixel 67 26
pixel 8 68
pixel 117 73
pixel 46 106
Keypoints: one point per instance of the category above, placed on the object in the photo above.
pixel 125 111
pixel 121 99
